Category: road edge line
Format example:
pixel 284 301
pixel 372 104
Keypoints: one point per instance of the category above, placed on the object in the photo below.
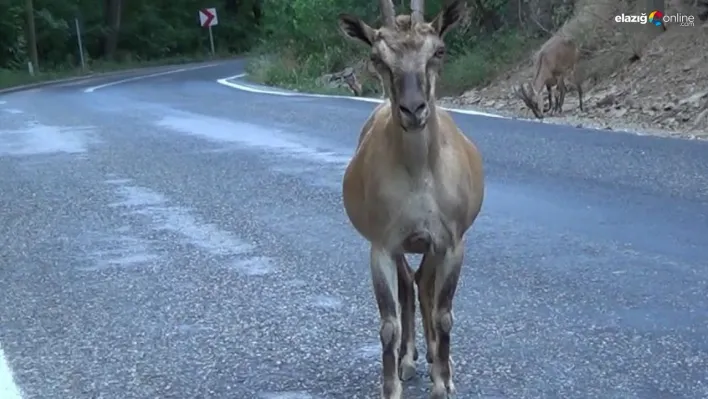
pixel 227 82
pixel 152 75
pixel 97 75
pixel 8 386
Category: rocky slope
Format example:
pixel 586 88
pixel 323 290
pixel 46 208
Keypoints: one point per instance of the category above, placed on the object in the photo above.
pixel 664 92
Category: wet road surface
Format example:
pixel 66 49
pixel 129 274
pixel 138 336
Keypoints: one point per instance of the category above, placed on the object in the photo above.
pixel 171 237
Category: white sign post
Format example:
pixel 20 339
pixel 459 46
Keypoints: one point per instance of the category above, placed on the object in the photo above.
pixel 207 19
pixel 81 46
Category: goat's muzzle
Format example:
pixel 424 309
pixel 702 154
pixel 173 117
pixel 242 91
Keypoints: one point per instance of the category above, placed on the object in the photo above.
pixel 413 107
pixel 414 114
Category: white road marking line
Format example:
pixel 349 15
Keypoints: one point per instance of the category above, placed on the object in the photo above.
pixel 250 89
pixel 152 75
pixel 8 388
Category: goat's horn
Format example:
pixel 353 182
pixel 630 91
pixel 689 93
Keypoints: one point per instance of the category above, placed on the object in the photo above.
pixel 417 11
pixel 388 13
pixel 516 91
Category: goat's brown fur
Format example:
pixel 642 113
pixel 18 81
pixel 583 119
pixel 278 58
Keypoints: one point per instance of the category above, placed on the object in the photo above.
pixel 555 62
pixel 414 185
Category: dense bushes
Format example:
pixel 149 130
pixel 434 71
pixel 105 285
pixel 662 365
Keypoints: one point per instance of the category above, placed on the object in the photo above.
pixel 301 41
pixel 296 41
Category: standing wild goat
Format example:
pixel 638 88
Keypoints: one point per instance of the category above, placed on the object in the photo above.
pixel 555 62
pixel 414 185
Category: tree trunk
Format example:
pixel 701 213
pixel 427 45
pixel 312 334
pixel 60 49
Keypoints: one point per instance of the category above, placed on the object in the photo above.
pixel 31 35
pixel 257 12
pixel 112 14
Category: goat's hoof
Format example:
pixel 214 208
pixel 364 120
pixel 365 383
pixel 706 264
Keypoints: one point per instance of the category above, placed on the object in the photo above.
pixel 407 370
pixel 442 392
pixel 415 354
pixel 391 390
pixel 429 357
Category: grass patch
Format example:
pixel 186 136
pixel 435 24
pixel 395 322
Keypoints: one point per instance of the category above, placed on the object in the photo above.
pixel 484 61
pixel 16 77
pixel 285 70
pixel 477 65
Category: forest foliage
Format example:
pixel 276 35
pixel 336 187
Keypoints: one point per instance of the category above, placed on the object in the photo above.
pixel 301 41
pixel 121 31
pixel 294 42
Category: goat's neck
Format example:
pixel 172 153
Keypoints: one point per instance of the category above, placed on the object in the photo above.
pixel 418 151
pixel 539 83
pixel 542 75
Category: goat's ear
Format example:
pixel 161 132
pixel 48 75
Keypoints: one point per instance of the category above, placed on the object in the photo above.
pixel 354 28
pixel 449 17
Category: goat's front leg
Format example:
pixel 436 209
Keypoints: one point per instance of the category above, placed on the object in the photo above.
pixel 384 276
pixel 447 274
pixel 425 279
pixel 408 353
pixel 550 99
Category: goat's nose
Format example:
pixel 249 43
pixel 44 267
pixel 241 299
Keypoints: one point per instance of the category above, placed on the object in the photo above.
pixel 413 109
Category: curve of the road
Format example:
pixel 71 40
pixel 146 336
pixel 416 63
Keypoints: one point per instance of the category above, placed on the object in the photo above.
pixel 179 233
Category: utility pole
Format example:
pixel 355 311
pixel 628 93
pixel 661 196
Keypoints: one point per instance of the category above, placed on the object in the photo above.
pixel 31 35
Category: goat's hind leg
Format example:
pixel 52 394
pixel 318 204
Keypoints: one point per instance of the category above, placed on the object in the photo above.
pixel 384 276
pixel 447 274
pixel 562 90
pixel 408 353
pixel 556 97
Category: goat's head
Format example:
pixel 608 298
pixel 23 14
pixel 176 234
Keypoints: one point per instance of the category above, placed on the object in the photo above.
pixel 407 53
pixel 532 100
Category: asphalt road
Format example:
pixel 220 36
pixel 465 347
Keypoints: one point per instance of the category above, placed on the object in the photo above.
pixel 172 237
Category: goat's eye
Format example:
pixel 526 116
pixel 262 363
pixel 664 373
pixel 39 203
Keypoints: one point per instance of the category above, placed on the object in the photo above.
pixel 378 63
pixel 440 53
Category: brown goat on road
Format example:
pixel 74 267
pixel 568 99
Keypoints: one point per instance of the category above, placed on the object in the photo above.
pixel 555 62
pixel 414 185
